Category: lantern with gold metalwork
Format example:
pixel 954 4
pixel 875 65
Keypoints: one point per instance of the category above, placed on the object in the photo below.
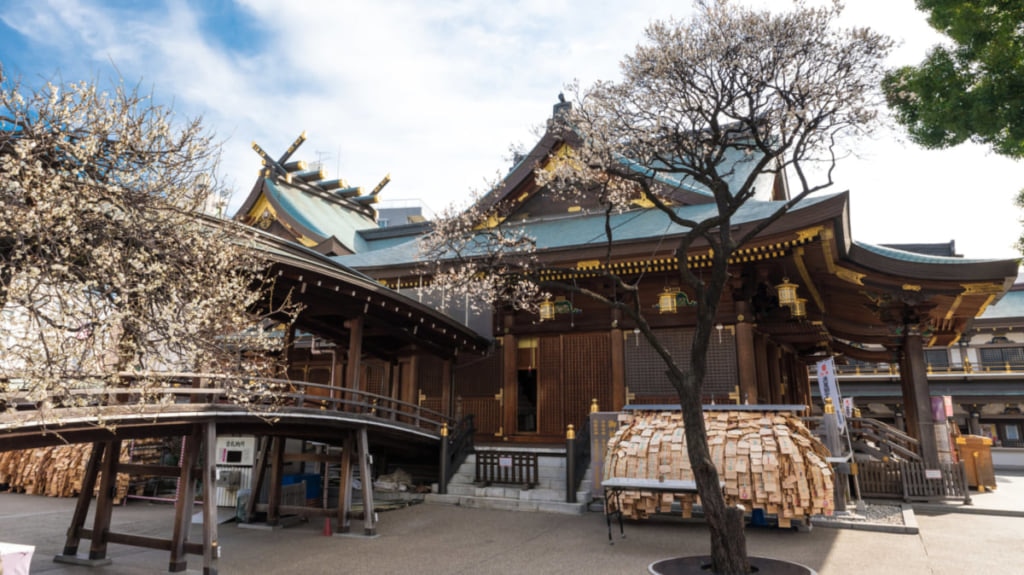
pixel 787 293
pixel 547 310
pixel 667 301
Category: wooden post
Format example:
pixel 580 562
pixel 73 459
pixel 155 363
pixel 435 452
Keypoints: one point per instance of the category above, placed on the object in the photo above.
pixel 913 352
pixel 510 384
pixel 274 489
pixel 447 383
pixel 353 367
pixel 762 369
pixel 345 484
pixel 746 359
pixel 186 497
pixel 366 480
pixel 92 470
pixel 211 551
pixel 105 501
pixel 618 349
pixel 258 473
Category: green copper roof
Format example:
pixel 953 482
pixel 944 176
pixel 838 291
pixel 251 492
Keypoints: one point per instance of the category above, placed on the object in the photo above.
pixel 916 257
pixel 1011 305
pixel 581 230
pixel 321 218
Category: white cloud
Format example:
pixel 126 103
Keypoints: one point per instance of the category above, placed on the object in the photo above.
pixel 436 92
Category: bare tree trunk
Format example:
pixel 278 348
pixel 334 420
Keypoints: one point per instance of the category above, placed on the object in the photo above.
pixel 728 539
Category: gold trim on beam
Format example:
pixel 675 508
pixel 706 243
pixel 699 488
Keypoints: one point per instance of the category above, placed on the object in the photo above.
pixel 956 305
pixel 982 289
pixel 911 287
pixel 808 234
pixel 985 305
pixel 798 259
pixel 850 276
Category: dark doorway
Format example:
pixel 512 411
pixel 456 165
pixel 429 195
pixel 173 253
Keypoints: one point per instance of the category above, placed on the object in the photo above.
pixel 526 402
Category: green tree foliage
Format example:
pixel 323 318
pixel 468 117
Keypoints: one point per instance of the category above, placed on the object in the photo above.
pixel 972 89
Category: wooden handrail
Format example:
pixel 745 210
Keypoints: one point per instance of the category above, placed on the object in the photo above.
pixel 290 393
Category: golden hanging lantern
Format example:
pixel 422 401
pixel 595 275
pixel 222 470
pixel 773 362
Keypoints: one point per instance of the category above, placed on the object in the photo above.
pixel 667 301
pixel 787 292
pixel 799 308
pixel 547 310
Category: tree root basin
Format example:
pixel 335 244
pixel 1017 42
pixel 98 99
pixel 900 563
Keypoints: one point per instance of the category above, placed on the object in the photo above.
pixel 701 565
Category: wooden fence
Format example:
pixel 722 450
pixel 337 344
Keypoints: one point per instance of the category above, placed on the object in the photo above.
pixel 911 481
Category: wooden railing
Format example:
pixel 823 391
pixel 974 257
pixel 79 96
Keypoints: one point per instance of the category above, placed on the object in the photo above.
pixel 514 467
pixel 874 438
pixel 910 481
pixel 963 368
pixel 165 390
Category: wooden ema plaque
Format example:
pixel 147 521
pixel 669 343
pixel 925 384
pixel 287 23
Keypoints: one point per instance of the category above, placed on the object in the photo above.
pixel 766 460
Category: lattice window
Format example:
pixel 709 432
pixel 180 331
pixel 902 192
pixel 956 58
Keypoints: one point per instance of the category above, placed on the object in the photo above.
pixel 645 370
pixel 588 374
pixel 478 376
pixel 430 374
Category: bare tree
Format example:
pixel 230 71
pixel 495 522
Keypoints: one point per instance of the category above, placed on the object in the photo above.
pixel 108 263
pixel 715 103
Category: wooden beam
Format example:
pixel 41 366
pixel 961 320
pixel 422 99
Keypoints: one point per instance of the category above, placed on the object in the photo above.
pixel 210 551
pixel 92 470
pixel 183 504
pixel 366 480
pixel 105 500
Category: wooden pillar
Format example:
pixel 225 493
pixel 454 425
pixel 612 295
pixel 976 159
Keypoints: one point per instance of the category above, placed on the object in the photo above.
pixel 510 384
pixel 353 366
pixel 345 484
pixel 746 360
pixel 447 383
pixel 618 350
pixel 258 476
pixel 186 497
pixel 105 501
pixel 774 366
pixel 913 358
pixel 410 379
pixel 337 374
pixel 92 471
pixel 210 550
pixel 276 475
pixel 762 358
pixel 366 480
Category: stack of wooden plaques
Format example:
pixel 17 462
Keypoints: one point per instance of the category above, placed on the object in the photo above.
pixel 57 471
pixel 768 461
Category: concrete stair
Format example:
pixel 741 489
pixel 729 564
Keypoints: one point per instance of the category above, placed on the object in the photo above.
pixel 548 496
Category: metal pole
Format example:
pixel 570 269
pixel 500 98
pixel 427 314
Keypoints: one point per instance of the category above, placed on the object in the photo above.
pixel 570 464
pixel 442 483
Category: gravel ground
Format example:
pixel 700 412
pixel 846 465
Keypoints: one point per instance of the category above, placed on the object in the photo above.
pixel 874 513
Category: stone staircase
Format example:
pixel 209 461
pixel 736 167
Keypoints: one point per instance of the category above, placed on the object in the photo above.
pixel 547 496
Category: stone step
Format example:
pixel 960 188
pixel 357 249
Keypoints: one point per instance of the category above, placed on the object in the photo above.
pixel 507 504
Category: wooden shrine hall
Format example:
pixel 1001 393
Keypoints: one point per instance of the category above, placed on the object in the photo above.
pixel 355 321
pixel 846 299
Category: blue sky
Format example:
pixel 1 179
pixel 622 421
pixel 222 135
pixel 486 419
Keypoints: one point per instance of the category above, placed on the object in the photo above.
pixel 435 93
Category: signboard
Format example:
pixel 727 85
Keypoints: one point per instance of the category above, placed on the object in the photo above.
pixel 603 425
pixel 829 387
pixel 942 407
pixel 504 461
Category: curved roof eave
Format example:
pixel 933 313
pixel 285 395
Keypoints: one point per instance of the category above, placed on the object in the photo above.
pixel 928 267
pixel 289 253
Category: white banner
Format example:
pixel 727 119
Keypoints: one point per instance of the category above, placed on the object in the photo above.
pixel 829 387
